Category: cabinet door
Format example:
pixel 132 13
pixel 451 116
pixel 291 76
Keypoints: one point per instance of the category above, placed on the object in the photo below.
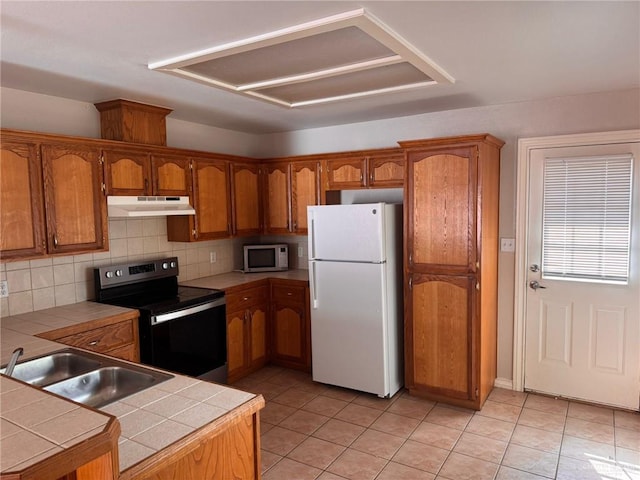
pixel 386 171
pixel 441 335
pixel 345 173
pixel 305 191
pixel 212 201
pixel 236 344
pixel 441 192
pixel 22 231
pixel 257 324
pixel 246 199
pixel 76 207
pixel 277 198
pixel 127 173
pixel 171 175
pixel 289 326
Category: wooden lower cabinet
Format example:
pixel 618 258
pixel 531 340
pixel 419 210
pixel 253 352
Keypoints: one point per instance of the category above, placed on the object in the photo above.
pixel 268 322
pixel 290 326
pixel 226 449
pixel 439 344
pixel 115 336
pixel 247 310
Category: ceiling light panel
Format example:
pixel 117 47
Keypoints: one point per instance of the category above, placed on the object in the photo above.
pixel 349 84
pixel 311 54
pixel 339 57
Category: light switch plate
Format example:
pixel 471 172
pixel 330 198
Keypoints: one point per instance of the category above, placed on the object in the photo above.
pixel 213 257
pixel 4 289
pixel 300 252
pixel 507 244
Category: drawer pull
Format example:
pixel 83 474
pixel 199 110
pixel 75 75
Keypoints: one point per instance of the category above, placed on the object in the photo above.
pixel 94 343
pixel 244 299
pixel 289 293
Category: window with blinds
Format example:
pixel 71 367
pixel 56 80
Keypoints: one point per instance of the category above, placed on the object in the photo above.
pixel 586 229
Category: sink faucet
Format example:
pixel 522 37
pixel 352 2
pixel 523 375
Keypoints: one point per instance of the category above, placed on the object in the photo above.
pixel 14 359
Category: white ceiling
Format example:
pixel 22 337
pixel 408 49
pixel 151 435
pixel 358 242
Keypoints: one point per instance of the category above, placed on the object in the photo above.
pixel 497 52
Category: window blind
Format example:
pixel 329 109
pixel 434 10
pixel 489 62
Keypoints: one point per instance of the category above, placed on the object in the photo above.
pixel 586 218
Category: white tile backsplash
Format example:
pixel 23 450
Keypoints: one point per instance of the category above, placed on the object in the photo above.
pixel 44 283
pixel 48 282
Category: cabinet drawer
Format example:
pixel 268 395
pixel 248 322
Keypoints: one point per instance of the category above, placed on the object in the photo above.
pixel 243 298
pixel 288 293
pixel 103 338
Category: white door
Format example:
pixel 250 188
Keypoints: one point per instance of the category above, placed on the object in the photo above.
pixel 582 316
pixel 347 232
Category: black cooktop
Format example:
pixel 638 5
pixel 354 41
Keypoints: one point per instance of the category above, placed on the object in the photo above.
pixel 160 302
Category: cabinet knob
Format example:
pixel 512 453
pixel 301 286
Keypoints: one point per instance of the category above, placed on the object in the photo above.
pixel 55 240
pixel 94 343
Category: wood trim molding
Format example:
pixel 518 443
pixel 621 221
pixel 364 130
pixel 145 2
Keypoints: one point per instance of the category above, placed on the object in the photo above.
pixel 525 148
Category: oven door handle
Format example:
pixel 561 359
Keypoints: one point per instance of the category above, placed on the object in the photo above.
pixel 165 317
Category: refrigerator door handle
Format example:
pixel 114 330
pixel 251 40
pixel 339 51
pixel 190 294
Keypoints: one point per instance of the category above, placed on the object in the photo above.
pixel 312 286
pixel 311 233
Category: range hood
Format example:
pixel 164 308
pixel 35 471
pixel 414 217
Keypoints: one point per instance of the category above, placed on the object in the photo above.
pixel 131 206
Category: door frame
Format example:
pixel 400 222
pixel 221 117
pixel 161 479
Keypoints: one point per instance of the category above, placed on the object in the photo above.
pixel 525 148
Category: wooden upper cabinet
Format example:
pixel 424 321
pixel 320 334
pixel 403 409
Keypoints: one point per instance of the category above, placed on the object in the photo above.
pixel 386 170
pixel 305 191
pixel 346 173
pixel 76 213
pixel 132 172
pixel 290 187
pixel 171 175
pixel 127 173
pixel 22 229
pixel 442 210
pixel 382 168
pixel 212 199
pixel 277 195
pixel 246 192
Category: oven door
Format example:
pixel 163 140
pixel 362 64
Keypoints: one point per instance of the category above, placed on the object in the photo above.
pixel 191 341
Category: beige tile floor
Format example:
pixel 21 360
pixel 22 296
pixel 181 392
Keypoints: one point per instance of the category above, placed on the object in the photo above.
pixel 314 431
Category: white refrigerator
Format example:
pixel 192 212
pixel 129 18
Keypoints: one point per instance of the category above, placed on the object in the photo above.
pixel 355 275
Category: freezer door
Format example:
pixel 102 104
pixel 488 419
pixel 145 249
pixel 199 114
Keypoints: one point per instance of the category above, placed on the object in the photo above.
pixel 348 326
pixel 347 232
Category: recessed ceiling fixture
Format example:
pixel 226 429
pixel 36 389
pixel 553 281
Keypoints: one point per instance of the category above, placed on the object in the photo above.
pixel 336 58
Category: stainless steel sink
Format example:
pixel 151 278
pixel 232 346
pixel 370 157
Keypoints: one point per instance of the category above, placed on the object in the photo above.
pixel 86 378
pixel 53 368
pixel 105 385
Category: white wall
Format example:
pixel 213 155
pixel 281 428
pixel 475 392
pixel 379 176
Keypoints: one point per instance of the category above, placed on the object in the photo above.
pixel 573 114
pixel 43 113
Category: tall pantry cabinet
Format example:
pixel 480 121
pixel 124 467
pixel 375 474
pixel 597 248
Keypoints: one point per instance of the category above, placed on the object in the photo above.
pixel 450 265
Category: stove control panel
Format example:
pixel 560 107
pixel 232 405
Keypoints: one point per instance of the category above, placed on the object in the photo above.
pixel 114 275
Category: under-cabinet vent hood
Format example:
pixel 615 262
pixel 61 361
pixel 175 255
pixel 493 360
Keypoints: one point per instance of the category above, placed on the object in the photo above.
pixel 130 206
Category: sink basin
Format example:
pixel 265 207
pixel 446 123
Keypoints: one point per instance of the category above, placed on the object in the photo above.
pixel 86 378
pixel 53 368
pixel 105 385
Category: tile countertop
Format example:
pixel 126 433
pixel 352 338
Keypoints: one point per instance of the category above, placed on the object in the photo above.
pixel 235 279
pixel 150 420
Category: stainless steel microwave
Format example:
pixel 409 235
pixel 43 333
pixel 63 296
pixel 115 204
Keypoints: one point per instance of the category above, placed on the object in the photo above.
pixel 266 258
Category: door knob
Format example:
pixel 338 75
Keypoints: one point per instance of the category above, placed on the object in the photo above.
pixel 535 285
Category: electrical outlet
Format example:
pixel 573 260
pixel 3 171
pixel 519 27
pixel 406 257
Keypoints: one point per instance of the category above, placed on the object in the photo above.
pixel 300 252
pixel 507 244
pixel 4 289
pixel 213 257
